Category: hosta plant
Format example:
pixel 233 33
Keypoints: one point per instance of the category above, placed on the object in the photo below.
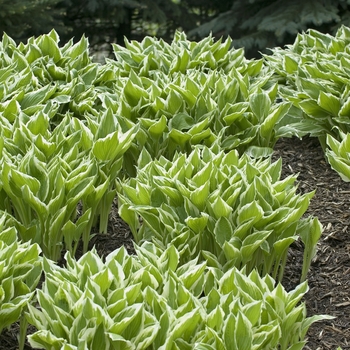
pixel 149 301
pixel 46 175
pixel 212 94
pixel 152 55
pixel 179 111
pixel 216 204
pixel 313 74
pixel 20 271
pixel 40 72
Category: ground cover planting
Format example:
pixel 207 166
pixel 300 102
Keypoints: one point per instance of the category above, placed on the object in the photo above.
pixel 181 137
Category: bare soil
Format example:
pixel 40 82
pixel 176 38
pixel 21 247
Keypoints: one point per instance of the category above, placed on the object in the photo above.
pixel 329 276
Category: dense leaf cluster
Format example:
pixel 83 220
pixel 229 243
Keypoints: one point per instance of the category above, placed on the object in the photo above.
pixel 226 209
pixel 182 135
pixel 314 75
pixel 150 301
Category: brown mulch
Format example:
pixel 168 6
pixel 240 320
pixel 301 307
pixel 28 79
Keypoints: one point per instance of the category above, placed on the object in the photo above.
pixel 329 276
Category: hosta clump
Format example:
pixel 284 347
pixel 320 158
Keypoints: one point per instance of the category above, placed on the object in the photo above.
pixel 53 122
pixel 314 74
pixel 91 305
pixel 40 74
pixel 45 176
pixel 149 301
pixel 230 210
pixel 181 55
pixel 180 110
pixel 20 271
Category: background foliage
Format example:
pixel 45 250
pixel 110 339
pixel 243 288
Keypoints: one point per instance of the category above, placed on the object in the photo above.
pixel 255 24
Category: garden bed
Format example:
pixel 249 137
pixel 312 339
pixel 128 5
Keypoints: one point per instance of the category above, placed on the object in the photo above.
pixel 328 278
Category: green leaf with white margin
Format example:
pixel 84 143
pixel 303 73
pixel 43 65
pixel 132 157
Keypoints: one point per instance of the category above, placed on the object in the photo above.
pixel 310 232
pixel 289 323
pixel 268 124
pixel 158 127
pixel 152 221
pixel 100 339
pixel 329 102
pixel 260 104
pixel 243 333
pixel 247 287
pixel 216 318
pixel 295 295
pixel 211 259
pixel 232 252
pixel 11 110
pixel 169 260
pixel 108 123
pixel 210 336
pixel 253 312
pixel 79 48
pixel 113 145
pixel 187 95
pixel 250 211
pixel 19 60
pixel 251 243
pixel 144 158
pixel 134 93
pixel 89 74
pixel 148 332
pixel 174 102
pixel 119 342
pixel 229 328
pixel 200 195
pixel 72 232
pixel 312 109
pixel 345 108
pixel 235 111
pixel 181 121
pixel 44 339
pixel 343 150
pixel 290 64
pixel 29 198
pixel 340 165
pixel 33 53
pixel 220 208
pixel 49 47
pixel 36 97
pixel 310 320
pixel 185 326
pixel 10 312
pixel 19 179
pixel 197 224
pixel 281 245
pixel 192 277
pixel 130 217
pixel 337 155
pixel 223 230
pixel 203 175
